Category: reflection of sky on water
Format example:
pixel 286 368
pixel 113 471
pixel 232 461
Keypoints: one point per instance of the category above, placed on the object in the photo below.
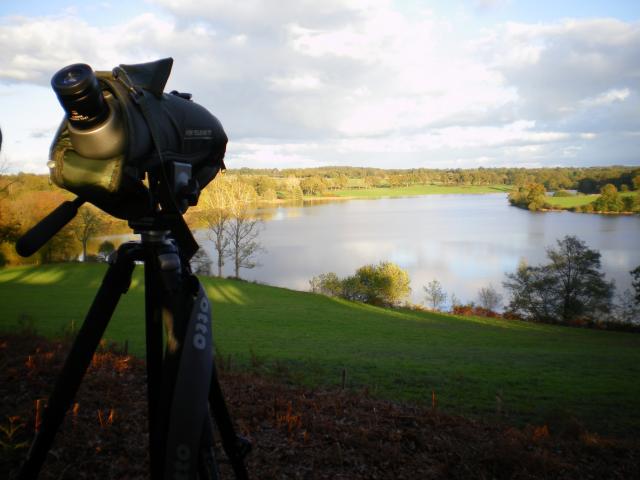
pixel 465 241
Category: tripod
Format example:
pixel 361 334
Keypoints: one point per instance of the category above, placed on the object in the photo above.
pixel 182 384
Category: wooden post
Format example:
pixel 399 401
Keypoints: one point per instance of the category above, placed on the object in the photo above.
pixel 38 414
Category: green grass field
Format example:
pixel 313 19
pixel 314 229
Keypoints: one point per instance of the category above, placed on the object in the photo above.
pixel 570 202
pixel 417 190
pixel 476 366
pixel 579 200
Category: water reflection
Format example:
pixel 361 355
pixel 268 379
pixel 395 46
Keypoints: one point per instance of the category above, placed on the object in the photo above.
pixel 465 241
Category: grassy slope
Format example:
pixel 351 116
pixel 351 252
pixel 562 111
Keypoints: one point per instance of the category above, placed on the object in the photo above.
pixel 417 190
pixel 537 370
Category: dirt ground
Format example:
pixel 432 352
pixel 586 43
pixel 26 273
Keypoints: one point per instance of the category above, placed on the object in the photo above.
pixel 297 433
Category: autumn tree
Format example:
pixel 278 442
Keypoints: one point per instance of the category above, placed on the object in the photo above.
pixel 609 200
pixel 265 187
pixel 9 224
pixel 242 229
pixel 314 185
pixel 532 197
pixel 63 246
pixel 215 211
pixel 86 225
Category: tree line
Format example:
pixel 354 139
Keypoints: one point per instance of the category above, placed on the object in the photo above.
pixel 585 179
pixel 569 289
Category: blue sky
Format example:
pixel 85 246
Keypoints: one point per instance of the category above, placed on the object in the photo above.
pixel 300 83
pixel 495 11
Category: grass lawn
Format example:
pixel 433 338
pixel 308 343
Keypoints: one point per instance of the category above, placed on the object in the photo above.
pixel 417 190
pixel 570 202
pixel 579 200
pixel 530 372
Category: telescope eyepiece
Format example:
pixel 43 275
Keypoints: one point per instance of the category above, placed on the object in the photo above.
pixel 80 95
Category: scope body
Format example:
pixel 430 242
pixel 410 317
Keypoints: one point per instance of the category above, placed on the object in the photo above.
pixel 121 128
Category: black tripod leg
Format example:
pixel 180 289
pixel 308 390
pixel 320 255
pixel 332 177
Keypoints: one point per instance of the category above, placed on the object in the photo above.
pixel 116 282
pixel 234 446
pixel 207 463
pixel 153 309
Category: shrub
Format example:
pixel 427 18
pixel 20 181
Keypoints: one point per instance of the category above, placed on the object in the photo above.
pixel 563 193
pixel 327 284
pixel 471 309
pixel 382 284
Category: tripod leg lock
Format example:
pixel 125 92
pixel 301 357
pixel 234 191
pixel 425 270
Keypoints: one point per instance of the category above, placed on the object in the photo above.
pixel 169 262
pixel 122 261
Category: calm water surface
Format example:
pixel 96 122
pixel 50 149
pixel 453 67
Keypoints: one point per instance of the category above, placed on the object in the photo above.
pixel 464 241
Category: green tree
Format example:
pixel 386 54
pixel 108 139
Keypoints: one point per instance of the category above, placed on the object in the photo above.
pixel 105 249
pixel 635 275
pixel 571 287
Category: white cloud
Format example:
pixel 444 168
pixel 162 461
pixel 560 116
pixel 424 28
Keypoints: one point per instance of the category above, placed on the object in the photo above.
pixel 295 83
pixel 339 81
pixel 607 98
pixel 555 66
pixel 489 4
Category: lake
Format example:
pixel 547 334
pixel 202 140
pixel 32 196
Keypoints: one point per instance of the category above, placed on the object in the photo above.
pixel 465 241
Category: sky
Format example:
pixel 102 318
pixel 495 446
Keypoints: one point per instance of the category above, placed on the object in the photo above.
pixel 377 83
